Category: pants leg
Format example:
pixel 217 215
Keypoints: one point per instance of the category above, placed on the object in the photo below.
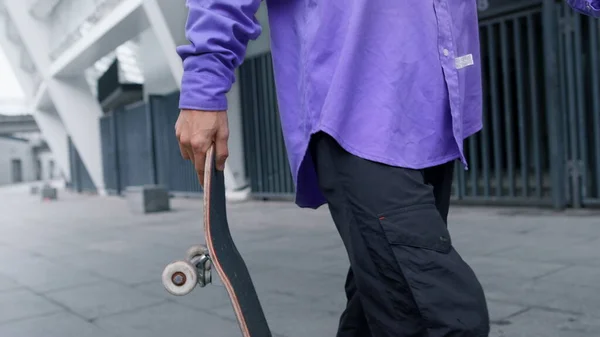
pixel 408 279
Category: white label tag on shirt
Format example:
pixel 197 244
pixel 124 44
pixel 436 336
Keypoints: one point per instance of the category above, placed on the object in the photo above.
pixel 464 61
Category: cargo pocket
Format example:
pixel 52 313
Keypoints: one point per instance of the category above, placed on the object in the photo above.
pixel 421 246
pixel 419 226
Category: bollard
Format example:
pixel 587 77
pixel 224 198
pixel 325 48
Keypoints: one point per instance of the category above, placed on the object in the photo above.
pixel 147 199
pixel 49 193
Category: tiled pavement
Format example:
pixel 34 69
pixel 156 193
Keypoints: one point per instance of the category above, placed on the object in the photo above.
pixel 84 266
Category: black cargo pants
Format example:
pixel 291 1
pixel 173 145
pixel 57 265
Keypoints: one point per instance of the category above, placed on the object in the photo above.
pixel 405 278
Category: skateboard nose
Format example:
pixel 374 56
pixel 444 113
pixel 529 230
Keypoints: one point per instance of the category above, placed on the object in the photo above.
pixel 178 279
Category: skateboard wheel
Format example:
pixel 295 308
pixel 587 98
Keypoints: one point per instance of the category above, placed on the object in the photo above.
pixel 195 251
pixel 179 278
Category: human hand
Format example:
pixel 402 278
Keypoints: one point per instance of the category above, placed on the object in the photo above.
pixel 196 131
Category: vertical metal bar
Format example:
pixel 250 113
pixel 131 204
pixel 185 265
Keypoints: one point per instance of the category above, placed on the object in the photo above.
pixel 246 124
pixel 570 84
pixel 518 54
pixel 564 99
pixel 582 157
pixel 595 89
pixel 263 125
pixel 496 123
pixel 508 108
pixel 257 129
pixel 150 139
pixel 484 132
pixel 270 113
pixel 533 93
pixel 549 30
pixel 117 162
pixel 474 143
pixel 272 107
pixel 459 174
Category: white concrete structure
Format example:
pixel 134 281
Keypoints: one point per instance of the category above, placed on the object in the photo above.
pixel 57 47
pixel 16 161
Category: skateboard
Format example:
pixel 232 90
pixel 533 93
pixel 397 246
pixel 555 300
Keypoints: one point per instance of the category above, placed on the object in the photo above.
pixel 220 253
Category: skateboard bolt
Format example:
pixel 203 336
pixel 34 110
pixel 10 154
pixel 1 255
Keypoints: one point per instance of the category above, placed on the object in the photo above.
pixel 178 279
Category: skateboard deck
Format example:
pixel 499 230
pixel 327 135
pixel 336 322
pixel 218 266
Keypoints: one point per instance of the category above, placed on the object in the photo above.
pixel 220 254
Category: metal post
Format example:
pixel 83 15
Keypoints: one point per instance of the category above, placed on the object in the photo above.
pixel 151 139
pixel 557 165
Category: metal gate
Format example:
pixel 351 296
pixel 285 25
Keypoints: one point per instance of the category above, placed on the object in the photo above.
pixel 516 158
pixel 126 148
pixel 265 158
pixel 133 153
pixel 579 83
pixel 172 171
pixel 110 165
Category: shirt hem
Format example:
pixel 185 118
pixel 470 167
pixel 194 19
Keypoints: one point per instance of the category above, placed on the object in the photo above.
pixel 416 166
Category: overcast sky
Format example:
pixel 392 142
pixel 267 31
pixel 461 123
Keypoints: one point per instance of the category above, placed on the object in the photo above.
pixel 10 90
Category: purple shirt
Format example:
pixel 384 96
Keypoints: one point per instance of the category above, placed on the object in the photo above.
pixel 397 82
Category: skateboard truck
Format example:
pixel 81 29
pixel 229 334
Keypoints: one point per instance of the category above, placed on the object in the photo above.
pixel 181 277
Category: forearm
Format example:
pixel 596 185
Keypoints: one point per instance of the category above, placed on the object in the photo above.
pixel 218 32
pixel 587 7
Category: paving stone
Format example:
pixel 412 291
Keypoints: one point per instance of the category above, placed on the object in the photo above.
pixel 124 269
pixel 101 299
pixel 576 275
pixel 499 266
pixel 169 319
pixel 22 303
pixel 43 275
pixel 542 323
pixel 499 311
pixel 90 258
pixel 7 283
pixel 553 296
pixel 207 298
pixel 61 324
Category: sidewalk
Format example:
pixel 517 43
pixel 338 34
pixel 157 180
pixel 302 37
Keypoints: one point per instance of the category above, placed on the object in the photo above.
pixel 84 266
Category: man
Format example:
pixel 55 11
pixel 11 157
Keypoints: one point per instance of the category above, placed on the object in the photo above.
pixel 376 98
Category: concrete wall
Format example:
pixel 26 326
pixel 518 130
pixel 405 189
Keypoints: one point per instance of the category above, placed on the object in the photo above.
pixel 50 169
pixel 15 149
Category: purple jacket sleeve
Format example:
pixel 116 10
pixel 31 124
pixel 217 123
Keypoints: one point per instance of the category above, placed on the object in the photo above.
pixel 587 7
pixel 218 31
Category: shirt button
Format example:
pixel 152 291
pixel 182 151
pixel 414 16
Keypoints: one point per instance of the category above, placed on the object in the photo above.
pixel 446 52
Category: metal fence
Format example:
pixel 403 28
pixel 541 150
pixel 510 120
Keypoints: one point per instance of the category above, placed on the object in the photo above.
pixel 579 86
pixel 540 144
pixel 265 157
pixel 139 147
pixel 126 151
pixel 172 170
pixel 510 159
pixel 110 162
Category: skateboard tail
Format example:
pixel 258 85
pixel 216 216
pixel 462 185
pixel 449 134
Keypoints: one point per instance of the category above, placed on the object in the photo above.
pixel 227 260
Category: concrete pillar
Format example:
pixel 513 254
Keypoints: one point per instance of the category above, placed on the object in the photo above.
pixel 48 121
pixel 71 96
pixel 55 135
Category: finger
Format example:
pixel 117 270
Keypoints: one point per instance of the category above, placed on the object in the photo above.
pixel 184 152
pixel 199 149
pixel 221 149
pixel 183 141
